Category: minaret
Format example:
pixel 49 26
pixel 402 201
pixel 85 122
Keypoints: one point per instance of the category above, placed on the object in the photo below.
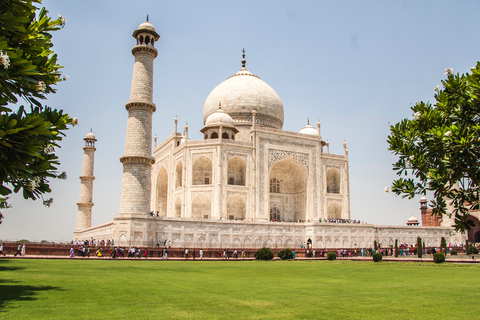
pixel 137 159
pixel 85 204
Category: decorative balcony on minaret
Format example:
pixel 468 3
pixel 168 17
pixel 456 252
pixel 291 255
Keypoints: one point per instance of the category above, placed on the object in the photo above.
pixel 137 159
pixel 85 204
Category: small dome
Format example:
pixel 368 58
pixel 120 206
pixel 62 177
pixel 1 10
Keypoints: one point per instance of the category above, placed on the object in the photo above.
pixel 219 117
pixel 308 129
pixel 412 220
pixel 90 135
pixel 146 25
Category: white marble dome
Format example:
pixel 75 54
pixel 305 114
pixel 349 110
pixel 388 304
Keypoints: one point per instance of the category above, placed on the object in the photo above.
pixel 90 135
pixel 308 129
pixel 242 93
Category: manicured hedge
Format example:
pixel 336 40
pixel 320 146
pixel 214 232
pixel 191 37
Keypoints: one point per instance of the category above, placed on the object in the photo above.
pixel 331 256
pixel 263 254
pixel 439 257
pixel 285 254
pixel 377 256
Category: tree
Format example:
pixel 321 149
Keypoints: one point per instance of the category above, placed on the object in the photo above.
pixel 28 70
pixel 443 245
pixel 439 148
pixel 419 247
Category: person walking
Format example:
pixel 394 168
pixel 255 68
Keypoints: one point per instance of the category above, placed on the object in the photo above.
pixel 186 253
pixel 1 250
pixel 19 248
pixel 145 253
pixel 72 253
pixel 201 254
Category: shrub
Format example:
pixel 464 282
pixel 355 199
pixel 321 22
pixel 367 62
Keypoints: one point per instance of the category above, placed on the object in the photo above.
pixel 453 252
pixel 331 256
pixel 439 257
pixel 377 256
pixel 471 249
pixel 285 254
pixel 263 254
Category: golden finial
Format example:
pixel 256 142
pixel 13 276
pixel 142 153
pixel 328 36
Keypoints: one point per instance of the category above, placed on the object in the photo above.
pixel 243 56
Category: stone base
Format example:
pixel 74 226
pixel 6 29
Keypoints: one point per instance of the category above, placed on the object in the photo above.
pixel 145 230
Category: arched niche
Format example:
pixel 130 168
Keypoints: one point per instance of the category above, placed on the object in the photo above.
pixel 201 207
pixel 334 211
pixel 236 207
pixel 178 208
pixel 237 168
pixel 178 174
pixel 333 181
pixel 161 193
pixel 202 171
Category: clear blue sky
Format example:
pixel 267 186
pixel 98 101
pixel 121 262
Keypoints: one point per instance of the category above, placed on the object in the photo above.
pixel 354 65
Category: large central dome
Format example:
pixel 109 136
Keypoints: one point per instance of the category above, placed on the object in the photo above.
pixel 242 93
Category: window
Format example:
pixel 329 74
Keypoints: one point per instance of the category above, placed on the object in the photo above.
pixel 274 186
pixel 274 214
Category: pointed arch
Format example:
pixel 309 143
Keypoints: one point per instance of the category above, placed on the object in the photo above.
pixel 162 193
pixel 201 207
pixel 202 171
pixel 333 181
pixel 179 174
pixel 236 207
pixel 334 211
pixel 178 208
pixel 237 168
pixel 288 190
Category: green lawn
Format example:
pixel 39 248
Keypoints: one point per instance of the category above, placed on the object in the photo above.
pixel 105 289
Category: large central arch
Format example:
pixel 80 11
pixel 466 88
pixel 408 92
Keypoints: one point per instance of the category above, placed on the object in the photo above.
pixel 288 191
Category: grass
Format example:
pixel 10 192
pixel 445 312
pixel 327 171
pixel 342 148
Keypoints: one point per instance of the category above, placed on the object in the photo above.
pixel 128 289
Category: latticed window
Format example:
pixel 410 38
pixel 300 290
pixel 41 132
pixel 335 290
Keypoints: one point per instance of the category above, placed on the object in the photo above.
pixel 274 186
pixel 274 214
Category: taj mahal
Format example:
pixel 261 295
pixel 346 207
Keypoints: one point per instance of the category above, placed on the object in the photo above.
pixel 247 184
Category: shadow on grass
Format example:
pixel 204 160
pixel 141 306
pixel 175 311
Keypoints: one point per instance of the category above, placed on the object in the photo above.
pixel 14 292
pixel 4 266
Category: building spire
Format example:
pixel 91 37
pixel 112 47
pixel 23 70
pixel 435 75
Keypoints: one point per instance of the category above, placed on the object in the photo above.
pixel 243 56
pixel 147 17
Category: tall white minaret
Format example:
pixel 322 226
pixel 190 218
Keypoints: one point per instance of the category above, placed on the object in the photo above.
pixel 137 158
pixel 85 204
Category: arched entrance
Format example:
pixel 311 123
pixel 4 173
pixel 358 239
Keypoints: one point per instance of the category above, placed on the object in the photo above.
pixel 288 191
pixel 474 232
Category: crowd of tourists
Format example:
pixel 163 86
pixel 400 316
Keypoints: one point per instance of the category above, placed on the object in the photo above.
pixel 93 242
pixel 341 221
